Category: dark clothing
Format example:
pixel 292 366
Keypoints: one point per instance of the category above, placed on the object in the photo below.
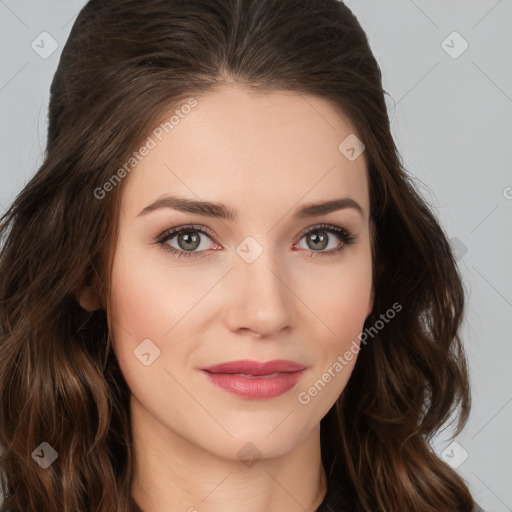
pixel 335 500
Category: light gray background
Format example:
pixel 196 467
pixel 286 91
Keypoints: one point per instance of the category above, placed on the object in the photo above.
pixel 451 121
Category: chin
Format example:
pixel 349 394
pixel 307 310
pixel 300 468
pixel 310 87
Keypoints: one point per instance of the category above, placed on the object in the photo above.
pixel 257 440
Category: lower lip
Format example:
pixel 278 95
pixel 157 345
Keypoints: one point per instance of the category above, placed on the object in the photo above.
pixel 255 387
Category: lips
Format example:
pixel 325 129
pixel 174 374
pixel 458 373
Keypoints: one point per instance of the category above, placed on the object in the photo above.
pixel 255 380
pixel 255 368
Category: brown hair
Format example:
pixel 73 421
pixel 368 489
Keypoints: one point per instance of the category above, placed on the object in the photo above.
pixel 125 63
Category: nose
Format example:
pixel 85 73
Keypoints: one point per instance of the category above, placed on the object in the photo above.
pixel 261 299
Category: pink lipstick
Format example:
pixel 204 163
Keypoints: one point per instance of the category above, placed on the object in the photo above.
pixel 255 380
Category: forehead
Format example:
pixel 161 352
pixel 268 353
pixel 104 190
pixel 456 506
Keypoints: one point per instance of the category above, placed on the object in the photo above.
pixel 238 147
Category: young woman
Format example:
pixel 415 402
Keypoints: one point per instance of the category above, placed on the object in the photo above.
pixel 221 290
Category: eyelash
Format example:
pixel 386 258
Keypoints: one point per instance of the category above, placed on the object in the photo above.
pixel 346 237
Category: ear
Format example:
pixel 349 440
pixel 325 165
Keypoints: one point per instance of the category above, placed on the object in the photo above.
pixel 88 300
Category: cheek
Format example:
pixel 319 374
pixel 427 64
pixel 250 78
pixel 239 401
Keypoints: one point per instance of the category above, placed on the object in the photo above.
pixel 153 306
pixel 343 308
pixel 141 306
pixel 136 304
pixel 341 298
pixel 347 313
pixel 148 298
pixel 145 307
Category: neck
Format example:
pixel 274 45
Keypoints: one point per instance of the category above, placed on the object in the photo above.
pixel 172 474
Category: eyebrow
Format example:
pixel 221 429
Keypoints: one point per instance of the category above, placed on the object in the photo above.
pixel 219 210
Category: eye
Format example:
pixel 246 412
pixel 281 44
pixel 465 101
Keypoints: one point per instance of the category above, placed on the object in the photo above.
pixel 317 238
pixel 190 245
pixel 188 239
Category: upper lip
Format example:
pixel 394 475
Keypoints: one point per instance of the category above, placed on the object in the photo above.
pixel 255 367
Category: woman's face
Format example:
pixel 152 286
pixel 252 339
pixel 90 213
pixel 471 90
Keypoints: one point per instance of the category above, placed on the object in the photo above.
pixel 261 286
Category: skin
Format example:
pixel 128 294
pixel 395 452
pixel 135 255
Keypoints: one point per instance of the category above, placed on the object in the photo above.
pixel 263 155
